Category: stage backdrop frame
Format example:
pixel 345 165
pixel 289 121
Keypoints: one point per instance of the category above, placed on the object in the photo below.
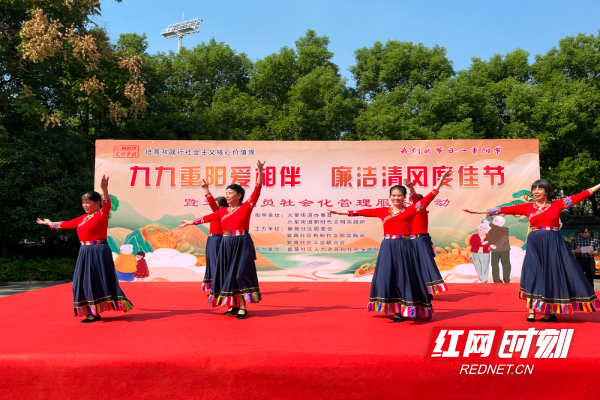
pixel 156 184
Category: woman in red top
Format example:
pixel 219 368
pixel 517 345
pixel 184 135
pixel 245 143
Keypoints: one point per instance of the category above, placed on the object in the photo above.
pixel 425 248
pixel 480 251
pixel 551 280
pixel 398 285
pixel 95 284
pixel 236 281
pixel 215 236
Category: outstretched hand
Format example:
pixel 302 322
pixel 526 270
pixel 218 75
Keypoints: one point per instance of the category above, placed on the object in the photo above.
pixel 204 185
pixel 261 165
pixel 185 223
pixel 408 184
pixel 468 210
pixel 44 221
pixel 446 174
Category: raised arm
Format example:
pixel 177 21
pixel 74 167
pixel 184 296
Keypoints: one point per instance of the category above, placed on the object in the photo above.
pixel 106 205
pixel 577 198
pixel 445 175
pixel 414 197
pixel 519 209
pixel 256 194
pixel 216 216
pixel 209 197
pixel 72 224
pixel 369 212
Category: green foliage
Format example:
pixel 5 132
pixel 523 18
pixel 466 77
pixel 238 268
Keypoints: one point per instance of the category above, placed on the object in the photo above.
pixel 132 43
pixel 36 269
pixel 402 91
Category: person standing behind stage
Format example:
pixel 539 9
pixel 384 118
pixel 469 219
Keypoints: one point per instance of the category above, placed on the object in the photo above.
pixel 215 236
pixel 398 286
pixel 480 252
pixel 500 249
pixel 586 260
pixel 425 248
pixel 95 284
pixel 236 281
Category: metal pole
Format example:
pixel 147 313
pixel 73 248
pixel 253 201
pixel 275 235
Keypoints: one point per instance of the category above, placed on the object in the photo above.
pixel 179 40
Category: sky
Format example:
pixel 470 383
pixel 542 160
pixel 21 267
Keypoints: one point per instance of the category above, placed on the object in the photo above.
pixel 261 27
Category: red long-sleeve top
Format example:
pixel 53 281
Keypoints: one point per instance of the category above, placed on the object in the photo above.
pixel 215 226
pixel 399 223
pixel 476 244
pixel 420 224
pixel 542 217
pixel 234 220
pixel 89 226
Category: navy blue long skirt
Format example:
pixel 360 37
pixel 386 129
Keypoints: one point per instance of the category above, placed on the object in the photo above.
pixel 431 274
pixel 398 285
pixel 95 284
pixel 235 278
pixel 213 246
pixel 551 280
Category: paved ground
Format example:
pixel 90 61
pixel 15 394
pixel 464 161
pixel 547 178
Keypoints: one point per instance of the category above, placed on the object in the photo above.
pixel 22 287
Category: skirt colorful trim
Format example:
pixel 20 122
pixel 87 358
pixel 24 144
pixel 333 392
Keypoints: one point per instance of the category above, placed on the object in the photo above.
pixel 424 311
pixel 429 269
pixel 213 246
pixel 398 285
pixel 95 309
pixel 235 277
pixel 234 300
pixel 95 285
pixel 551 280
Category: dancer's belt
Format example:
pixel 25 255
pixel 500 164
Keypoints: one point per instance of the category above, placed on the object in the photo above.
pixel 545 228
pixel 214 234
pixel 90 242
pixel 235 233
pixel 400 236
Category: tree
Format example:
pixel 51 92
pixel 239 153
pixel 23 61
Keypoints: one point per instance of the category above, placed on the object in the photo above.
pixel 383 67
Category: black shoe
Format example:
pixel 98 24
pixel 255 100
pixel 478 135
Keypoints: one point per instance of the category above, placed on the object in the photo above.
pixel 90 320
pixel 242 316
pixel 398 318
pixel 530 318
pixel 552 318
pixel 233 311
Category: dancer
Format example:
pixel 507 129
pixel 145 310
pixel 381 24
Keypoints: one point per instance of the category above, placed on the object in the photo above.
pixel 425 248
pixel 215 236
pixel 235 282
pixel 95 284
pixel 398 285
pixel 551 280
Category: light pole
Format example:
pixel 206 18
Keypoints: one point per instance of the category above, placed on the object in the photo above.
pixel 181 29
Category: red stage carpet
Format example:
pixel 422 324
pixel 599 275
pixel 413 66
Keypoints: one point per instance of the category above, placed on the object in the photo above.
pixel 303 341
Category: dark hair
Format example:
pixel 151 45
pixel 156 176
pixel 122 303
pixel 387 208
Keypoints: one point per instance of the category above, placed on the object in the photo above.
pixel 141 253
pixel 238 189
pixel 543 184
pixel 398 187
pixel 420 196
pixel 91 195
pixel 221 201
pixel 582 228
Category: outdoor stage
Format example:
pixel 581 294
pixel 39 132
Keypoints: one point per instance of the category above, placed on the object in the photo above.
pixel 303 341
